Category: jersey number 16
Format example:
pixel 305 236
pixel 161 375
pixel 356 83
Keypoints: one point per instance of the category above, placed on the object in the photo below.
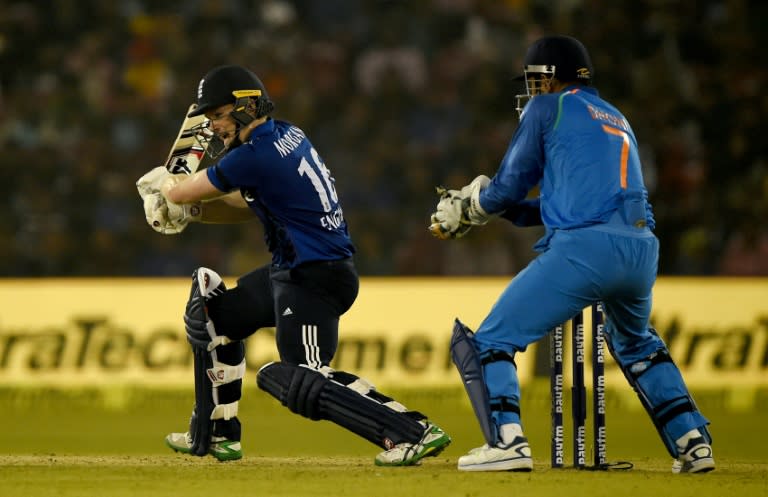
pixel 324 187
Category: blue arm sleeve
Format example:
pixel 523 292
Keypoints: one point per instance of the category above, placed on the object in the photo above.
pixel 525 213
pixel 522 166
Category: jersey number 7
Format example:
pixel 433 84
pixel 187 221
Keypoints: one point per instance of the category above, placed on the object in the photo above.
pixel 624 152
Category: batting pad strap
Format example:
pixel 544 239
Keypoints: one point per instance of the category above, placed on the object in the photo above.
pixel 217 340
pixel 366 388
pixel 221 373
pixel 225 411
pixel 396 406
pixel 360 386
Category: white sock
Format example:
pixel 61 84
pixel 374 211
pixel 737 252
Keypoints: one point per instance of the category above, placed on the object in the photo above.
pixel 683 441
pixel 509 431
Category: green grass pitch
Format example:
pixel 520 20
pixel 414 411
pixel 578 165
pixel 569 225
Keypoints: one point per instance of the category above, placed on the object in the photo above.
pixel 110 443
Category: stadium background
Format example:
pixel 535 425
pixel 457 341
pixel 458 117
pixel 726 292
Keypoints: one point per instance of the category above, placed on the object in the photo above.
pixel 397 97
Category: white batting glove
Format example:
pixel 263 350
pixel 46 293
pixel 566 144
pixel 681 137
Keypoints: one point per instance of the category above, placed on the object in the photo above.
pixel 157 216
pixel 155 205
pixel 152 181
pixel 179 214
pixel 163 216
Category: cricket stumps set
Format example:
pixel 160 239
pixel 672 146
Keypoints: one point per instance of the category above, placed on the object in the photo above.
pixel 579 393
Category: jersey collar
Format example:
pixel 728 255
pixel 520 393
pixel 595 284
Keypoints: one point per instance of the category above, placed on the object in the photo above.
pixel 587 89
pixel 265 128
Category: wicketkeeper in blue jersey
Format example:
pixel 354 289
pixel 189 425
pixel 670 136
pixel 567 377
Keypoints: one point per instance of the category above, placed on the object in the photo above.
pixel 269 170
pixel 599 246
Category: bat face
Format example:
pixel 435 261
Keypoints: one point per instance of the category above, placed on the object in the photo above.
pixel 187 151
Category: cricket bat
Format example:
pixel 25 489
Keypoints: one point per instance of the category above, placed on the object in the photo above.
pixel 187 152
pixel 184 158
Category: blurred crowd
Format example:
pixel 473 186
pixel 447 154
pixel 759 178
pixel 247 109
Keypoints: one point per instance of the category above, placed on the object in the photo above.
pixel 397 96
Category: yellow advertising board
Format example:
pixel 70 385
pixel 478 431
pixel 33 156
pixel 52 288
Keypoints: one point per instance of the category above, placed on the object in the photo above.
pixel 91 332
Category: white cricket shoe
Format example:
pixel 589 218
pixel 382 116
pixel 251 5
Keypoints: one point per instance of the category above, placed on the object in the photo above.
pixel 221 448
pixel 515 456
pixel 433 441
pixel 695 458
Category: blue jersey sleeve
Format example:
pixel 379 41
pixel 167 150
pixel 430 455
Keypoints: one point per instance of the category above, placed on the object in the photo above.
pixel 522 167
pixel 218 179
pixel 525 213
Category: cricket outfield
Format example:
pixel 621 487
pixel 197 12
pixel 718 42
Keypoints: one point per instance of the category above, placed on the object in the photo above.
pixel 110 443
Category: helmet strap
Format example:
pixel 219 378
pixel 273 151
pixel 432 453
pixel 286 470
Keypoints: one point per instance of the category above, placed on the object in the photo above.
pixel 250 105
pixel 236 142
pixel 244 111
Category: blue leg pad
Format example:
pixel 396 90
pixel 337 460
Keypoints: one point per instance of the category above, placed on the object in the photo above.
pixel 664 395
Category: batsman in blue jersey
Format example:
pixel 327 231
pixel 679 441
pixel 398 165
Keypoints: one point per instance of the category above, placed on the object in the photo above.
pixel 598 246
pixel 269 170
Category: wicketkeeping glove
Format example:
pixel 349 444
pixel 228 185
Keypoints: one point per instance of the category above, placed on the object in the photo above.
pixel 471 208
pixel 459 210
pixel 448 221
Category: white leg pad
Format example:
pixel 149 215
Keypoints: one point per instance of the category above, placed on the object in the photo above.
pixel 221 373
pixel 225 411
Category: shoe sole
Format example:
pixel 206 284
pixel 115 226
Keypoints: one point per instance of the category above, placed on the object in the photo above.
pixel 176 448
pixel 437 449
pixel 221 456
pixel 227 455
pixel 703 470
pixel 704 465
pixel 227 458
pixel 517 465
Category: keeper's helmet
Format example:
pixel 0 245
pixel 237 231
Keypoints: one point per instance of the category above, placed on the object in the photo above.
pixel 236 85
pixel 558 56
